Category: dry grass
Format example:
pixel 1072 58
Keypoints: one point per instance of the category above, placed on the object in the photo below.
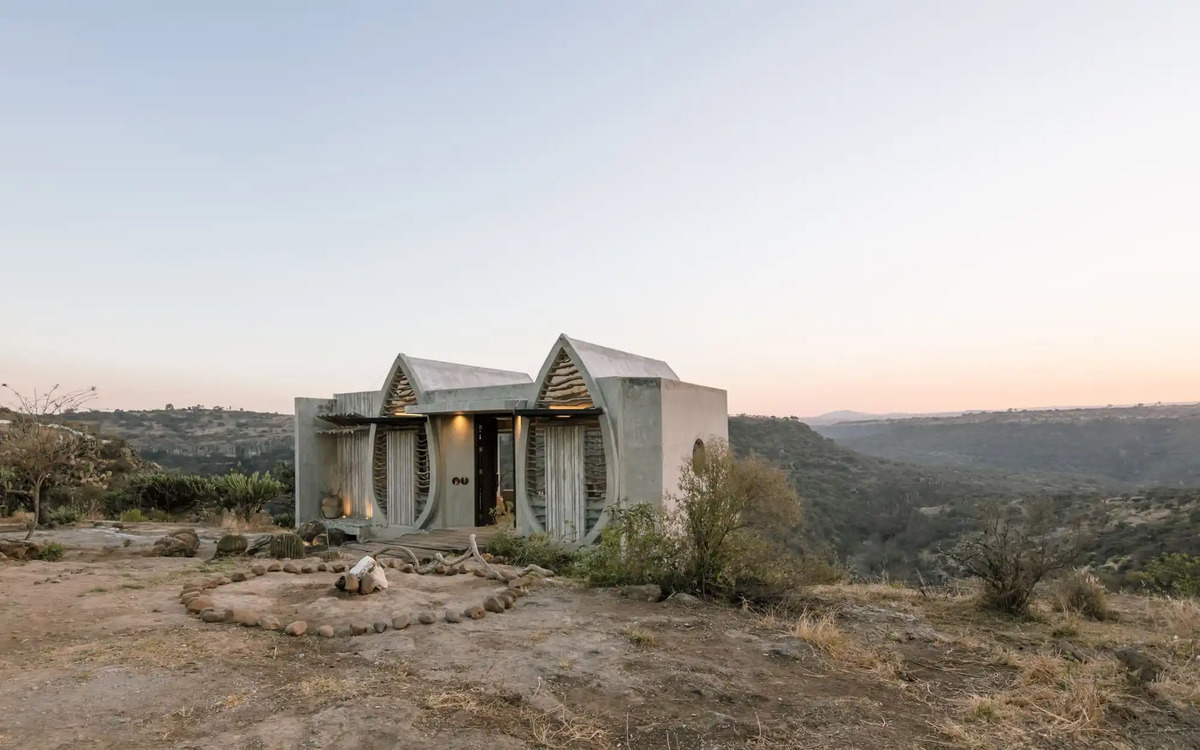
pixel 1080 594
pixel 512 716
pixel 260 523
pixel 822 633
pixel 1178 618
pixel 327 688
pixel 1049 695
pixel 166 651
pixel 639 638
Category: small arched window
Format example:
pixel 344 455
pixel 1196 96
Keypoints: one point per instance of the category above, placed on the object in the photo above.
pixel 699 455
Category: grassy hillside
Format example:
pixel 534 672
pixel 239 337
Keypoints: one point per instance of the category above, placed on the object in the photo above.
pixel 198 440
pixel 1144 445
pixel 885 516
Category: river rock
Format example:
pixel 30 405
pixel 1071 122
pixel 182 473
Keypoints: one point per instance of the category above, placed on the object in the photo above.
pixel 299 627
pixel 199 604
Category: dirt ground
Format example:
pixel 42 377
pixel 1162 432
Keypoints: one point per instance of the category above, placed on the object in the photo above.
pixel 96 651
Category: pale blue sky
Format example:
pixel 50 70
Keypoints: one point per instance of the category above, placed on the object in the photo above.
pixel 875 206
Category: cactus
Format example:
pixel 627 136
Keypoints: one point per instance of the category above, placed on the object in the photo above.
pixel 231 544
pixel 287 545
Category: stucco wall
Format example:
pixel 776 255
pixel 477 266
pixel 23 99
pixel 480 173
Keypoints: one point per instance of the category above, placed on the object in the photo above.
pixel 315 455
pixel 689 412
pixel 456 454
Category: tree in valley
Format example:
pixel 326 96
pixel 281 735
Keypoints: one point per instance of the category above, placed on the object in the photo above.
pixel 39 450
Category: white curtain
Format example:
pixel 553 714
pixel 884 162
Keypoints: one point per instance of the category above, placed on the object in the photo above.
pixel 354 464
pixel 401 477
pixel 566 491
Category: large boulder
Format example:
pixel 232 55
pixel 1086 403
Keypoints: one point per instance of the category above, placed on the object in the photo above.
pixel 310 530
pixel 181 543
pixel 18 549
pixel 650 592
pixel 1142 667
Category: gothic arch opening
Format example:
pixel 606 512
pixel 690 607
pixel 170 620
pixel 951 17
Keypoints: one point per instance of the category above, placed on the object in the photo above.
pixel 566 467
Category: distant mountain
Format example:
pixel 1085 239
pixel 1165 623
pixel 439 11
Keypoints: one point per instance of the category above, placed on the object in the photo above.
pixel 1140 445
pixel 845 415
pixel 198 440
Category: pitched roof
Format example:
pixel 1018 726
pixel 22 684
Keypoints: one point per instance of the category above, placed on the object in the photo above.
pixel 602 362
pixel 436 376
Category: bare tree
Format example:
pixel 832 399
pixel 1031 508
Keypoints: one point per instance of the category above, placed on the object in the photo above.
pixel 1011 555
pixel 39 449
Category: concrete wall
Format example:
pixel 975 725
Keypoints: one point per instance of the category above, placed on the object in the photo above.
pixel 635 405
pixel 490 393
pixel 456 458
pixel 688 412
pixel 315 455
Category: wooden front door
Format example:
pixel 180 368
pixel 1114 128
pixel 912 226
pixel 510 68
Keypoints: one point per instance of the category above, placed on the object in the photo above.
pixel 486 469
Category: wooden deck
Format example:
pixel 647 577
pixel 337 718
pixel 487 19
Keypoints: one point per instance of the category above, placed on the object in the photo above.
pixel 426 543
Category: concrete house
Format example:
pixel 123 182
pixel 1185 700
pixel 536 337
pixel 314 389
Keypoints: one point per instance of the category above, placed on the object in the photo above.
pixel 444 445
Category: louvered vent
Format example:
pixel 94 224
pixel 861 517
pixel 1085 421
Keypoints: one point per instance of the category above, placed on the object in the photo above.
pixel 564 385
pixel 399 395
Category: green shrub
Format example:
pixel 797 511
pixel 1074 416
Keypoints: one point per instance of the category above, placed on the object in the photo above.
pixel 714 542
pixel 284 520
pixel 171 494
pixel 726 507
pixel 246 495
pixel 1012 552
pixel 62 516
pixel 1175 574
pixel 133 516
pixel 535 549
pixel 633 548
pixel 52 552
pixel 1080 592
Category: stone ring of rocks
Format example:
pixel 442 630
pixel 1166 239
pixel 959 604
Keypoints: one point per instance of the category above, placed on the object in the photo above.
pixel 367 615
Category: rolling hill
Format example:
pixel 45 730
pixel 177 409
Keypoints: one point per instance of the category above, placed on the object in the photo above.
pixel 874 514
pixel 1141 445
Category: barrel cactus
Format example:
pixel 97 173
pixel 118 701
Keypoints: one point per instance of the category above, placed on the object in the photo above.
pixel 287 545
pixel 231 544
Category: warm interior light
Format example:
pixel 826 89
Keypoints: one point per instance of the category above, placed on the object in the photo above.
pixel 347 507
